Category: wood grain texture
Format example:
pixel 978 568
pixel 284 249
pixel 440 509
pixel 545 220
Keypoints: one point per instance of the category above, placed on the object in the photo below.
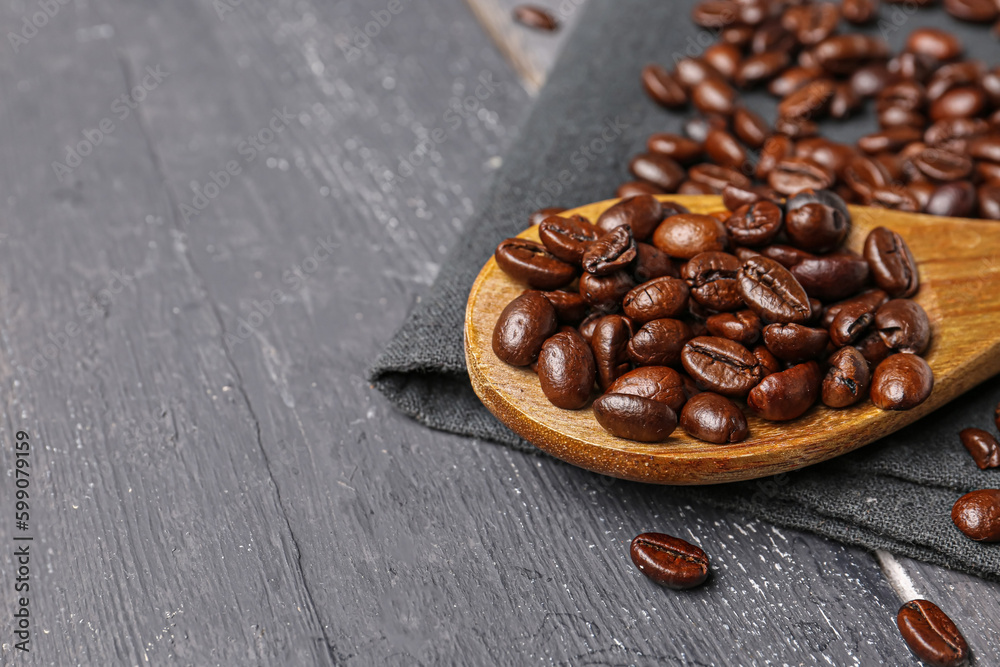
pixel 198 487
pixel 960 290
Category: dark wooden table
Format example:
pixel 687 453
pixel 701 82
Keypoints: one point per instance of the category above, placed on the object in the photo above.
pixel 187 311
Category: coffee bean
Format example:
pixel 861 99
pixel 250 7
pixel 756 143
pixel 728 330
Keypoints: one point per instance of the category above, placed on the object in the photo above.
pixel 956 199
pixel 721 365
pixel 759 67
pixel 713 418
pixel 772 36
pixel 935 43
pixel 725 58
pixel 566 370
pixel 669 561
pixel 523 326
pixel 656 299
pixel 892 139
pixel 847 380
pixel 772 292
pixel 567 238
pixel 636 188
pixel 892 265
pixel 712 278
pixel 871 79
pixel 963 102
pixel 663 87
pixel 535 17
pixel 768 362
pixel 611 253
pixel 811 24
pixel 981 445
pixel 832 277
pixel 864 175
pixel 635 417
pixel 851 321
pixel 977 514
pixel 988 198
pixel 942 165
pixel 642 214
pixel 696 188
pixel 931 635
pixel 659 343
pixel 873 349
pixel 531 263
pixel 793 174
pixel 586 328
pixel 952 76
pixel 842 54
pixel 657 383
pixel 733 196
pixel 717 177
pixel 724 149
pixel 795 343
pixel 650 262
pixel 715 14
pixel 688 234
pixel 901 382
pixel 657 169
pixel 859 12
pixel 793 79
pixel 609 343
pixel 678 148
pixel 750 127
pixel 693 71
pixel 786 255
pixel 743 326
pixel 957 135
pixel 904 326
pixel 605 293
pixel 816 227
pixel 788 394
pixel 570 306
pixel 810 101
pixel 714 95
pixel 977 11
pixel 755 224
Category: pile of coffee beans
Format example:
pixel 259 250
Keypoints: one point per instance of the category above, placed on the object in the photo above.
pixel 759 302
pixel 938 147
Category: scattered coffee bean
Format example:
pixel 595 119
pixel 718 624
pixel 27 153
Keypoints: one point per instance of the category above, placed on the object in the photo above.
pixel 669 561
pixel 634 417
pixel 535 17
pixel 931 635
pixel 981 446
pixel 901 382
pixel 977 514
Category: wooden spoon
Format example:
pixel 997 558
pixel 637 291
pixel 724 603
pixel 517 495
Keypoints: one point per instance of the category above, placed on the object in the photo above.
pixel 959 264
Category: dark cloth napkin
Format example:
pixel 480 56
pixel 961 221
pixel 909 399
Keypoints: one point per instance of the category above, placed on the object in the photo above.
pixel 591 116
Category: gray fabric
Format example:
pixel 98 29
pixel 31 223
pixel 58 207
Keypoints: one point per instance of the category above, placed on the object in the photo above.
pixel 896 494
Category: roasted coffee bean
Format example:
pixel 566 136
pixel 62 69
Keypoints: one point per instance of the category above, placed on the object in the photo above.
pixel 642 214
pixel 657 169
pixel 892 265
pixel 721 365
pixel 566 370
pixel 737 35
pixel 725 58
pixel 796 128
pixel 759 67
pixel 522 328
pixel 772 36
pixel 541 214
pixel 795 343
pixel 772 292
pixel 851 321
pixel 901 382
pixel 788 394
pixel 811 23
pixel 792 79
pixel 535 17
pixel 810 101
pixel 864 175
pixel 693 71
pixel 911 66
pixel 985 147
pixel 714 95
pixel 755 224
pixel 570 306
pixel 713 418
pixel 717 177
pixel 660 298
pixel 605 293
pixel 733 197
pixel 792 174
pixel 956 135
pixel 953 75
pixel 650 262
pixel 842 54
pixel 611 253
pixel 903 326
pixel 678 148
pixel 825 197
pixel 942 165
pixel 816 227
pixel 832 277
pixel 906 94
pixel 931 635
pixel 724 149
pixel 586 328
pixel 873 349
pixel 859 12
pixel 768 362
pixel 892 139
pixel 961 102
pixel 636 188
pixel 609 342
pixel 988 198
pixel 659 343
pixel 786 255
pixel 750 127
pixel 669 561
pixel 956 199
pixel 922 191
pixel 657 383
pixel 567 238
pixel 712 278
pixel 977 11
pixel 982 446
pixel 634 417
pixel 531 263
pixel 871 79
pixel 663 87
pixel 776 148
pixel 844 101
pixel 696 188
pixel 896 116
pixel 743 326
pixel 847 380
pixel 688 234
pixel 696 128
pixel 937 44
pixel 896 197
pixel 977 514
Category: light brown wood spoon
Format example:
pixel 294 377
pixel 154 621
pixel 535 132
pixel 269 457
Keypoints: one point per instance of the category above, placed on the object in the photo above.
pixel 959 264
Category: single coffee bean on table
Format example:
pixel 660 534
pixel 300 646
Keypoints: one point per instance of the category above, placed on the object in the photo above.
pixel 931 635
pixel 977 514
pixel 982 446
pixel 669 561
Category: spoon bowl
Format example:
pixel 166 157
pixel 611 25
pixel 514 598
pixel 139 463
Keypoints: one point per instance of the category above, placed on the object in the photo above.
pixel 959 263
